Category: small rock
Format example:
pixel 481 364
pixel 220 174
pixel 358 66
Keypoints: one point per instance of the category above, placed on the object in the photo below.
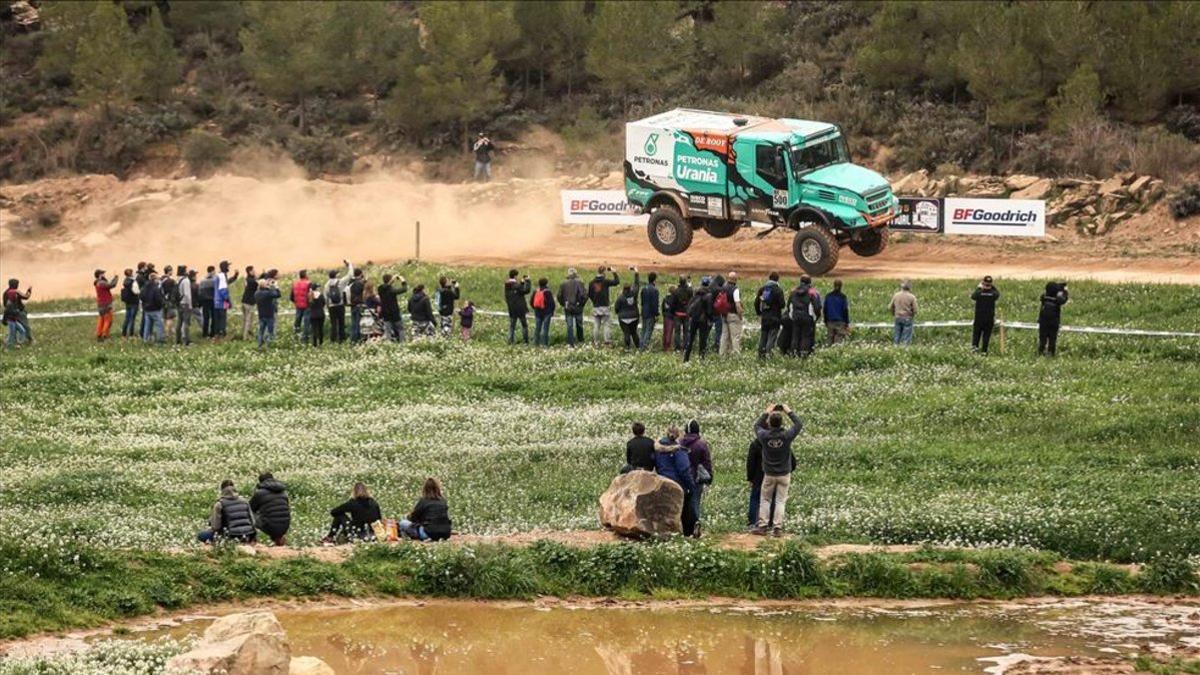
pixel 251 643
pixel 309 665
pixel 1112 185
pixel 1136 187
pixel 1036 190
pixel 1020 181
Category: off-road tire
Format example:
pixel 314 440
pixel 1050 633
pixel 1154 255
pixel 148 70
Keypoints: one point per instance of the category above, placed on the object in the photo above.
pixel 669 233
pixel 815 249
pixel 722 229
pixel 873 242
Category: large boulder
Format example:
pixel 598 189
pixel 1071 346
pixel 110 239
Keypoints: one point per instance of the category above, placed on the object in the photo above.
pixel 1036 190
pixel 1020 181
pixel 640 504
pixel 251 643
pixel 309 665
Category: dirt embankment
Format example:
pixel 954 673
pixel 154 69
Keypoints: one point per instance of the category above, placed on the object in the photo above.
pixel 54 232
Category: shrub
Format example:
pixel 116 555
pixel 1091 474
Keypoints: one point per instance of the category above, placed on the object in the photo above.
pixel 1185 202
pixel 1158 152
pixel 205 152
pixel 793 571
pixel 321 154
pixel 48 216
pixel 1169 573
pixel 930 135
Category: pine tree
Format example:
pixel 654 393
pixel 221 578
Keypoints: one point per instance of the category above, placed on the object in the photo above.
pixel 159 60
pixel 553 36
pixel 1078 101
pixel 633 45
pixel 741 36
pixel 282 50
pixel 107 67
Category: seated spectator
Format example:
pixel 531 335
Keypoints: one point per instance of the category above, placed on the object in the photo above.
pixel 271 507
pixel 352 520
pixel 230 519
pixel 639 451
pixel 430 518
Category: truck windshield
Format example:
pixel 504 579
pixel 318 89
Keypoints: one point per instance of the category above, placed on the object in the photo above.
pixel 819 154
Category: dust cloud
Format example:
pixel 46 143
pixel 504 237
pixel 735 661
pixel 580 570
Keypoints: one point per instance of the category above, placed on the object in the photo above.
pixel 286 222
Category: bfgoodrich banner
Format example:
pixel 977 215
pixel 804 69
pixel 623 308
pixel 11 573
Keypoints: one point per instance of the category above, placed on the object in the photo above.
pixel 1003 217
pixel 598 207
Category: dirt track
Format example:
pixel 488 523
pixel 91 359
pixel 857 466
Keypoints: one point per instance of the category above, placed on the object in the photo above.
pixel 922 256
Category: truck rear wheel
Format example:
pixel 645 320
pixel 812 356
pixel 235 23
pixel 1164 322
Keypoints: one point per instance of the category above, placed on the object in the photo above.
pixel 872 242
pixel 721 229
pixel 815 249
pixel 669 233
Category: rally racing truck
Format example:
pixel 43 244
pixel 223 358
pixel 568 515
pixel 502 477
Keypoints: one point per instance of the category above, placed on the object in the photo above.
pixel 693 169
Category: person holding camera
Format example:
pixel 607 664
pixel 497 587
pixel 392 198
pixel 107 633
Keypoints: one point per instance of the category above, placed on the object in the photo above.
pixel 777 466
pixel 389 306
pixel 518 309
pixel 985 297
pixel 1050 317
pixel 483 149
pixel 572 295
pixel 447 297
pixel 266 301
pixel 601 314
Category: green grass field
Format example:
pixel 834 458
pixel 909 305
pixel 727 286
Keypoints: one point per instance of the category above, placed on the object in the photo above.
pixel 1093 455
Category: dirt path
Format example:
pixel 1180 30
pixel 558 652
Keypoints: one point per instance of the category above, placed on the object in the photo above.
pixel 922 256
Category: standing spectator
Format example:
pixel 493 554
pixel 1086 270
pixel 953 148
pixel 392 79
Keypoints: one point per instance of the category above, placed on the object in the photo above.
pixel 672 462
pixel 104 304
pixel 335 294
pixel 543 312
pixel 206 291
pixel 430 518
pixel 14 314
pixel 272 508
pixel 700 315
pixel 572 295
pixel 299 298
pixel 266 300
pixel 170 289
pixel 514 298
pixel 683 298
pixel 601 315
pixel 804 307
pixel 700 456
pixel 230 518
pixel 768 304
pixel 1050 318
pixel 777 466
pixel 648 296
pixel 985 296
pixel 627 312
pixel 731 333
pixel 153 302
pixel 904 309
pixel 447 297
pixel 142 276
pixel 389 307
pixel 352 520
pixel 221 299
pixel 248 305
pixel 754 475
pixel 669 324
pixel 187 305
pixel 421 311
pixel 718 320
pixel 639 450
pixel 357 288
pixel 483 149
pixel 466 319
pixel 837 314
pixel 316 313
pixel 129 298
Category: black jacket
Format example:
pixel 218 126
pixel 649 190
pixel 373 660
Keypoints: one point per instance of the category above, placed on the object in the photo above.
pixel 361 513
pixel 598 289
pixel 420 308
pixel 514 296
pixel 777 445
pixel 572 296
pixel 1052 301
pixel 265 299
pixel 754 458
pixel 389 302
pixel 639 453
pixel 627 306
pixel 127 295
pixel 236 521
pixel 356 291
pixel 272 510
pixel 985 303
pixel 152 297
pixel 249 289
pixel 768 304
pixel 434 516
pixel 447 296
pixel 700 307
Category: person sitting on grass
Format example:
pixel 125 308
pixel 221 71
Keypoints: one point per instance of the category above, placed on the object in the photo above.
pixel 272 508
pixel 352 520
pixel 430 518
pixel 230 518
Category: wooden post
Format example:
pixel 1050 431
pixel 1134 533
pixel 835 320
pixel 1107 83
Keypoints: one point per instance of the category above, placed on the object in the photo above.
pixel 1002 335
pixel 417 256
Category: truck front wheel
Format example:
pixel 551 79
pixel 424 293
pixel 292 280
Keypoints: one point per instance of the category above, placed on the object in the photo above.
pixel 872 242
pixel 669 233
pixel 722 229
pixel 815 249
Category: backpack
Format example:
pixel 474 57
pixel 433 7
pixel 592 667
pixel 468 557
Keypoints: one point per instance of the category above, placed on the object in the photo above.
pixel 334 294
pixel 539 298
pixel 127 295
pixel 801 305
pixel 723 303
pixel 174 297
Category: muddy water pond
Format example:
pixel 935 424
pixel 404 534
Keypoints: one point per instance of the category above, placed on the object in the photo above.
pixel 462 637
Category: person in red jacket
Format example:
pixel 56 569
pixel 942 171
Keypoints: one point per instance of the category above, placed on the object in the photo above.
pixel 104 304
pixel 300 300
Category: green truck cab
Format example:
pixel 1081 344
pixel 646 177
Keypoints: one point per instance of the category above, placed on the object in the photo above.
pixel 694 169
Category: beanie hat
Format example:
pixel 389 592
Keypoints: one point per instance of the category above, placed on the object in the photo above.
pixel 693 427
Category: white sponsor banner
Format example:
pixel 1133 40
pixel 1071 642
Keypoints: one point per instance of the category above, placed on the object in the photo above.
pixel 598 207
pixel 1004 217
